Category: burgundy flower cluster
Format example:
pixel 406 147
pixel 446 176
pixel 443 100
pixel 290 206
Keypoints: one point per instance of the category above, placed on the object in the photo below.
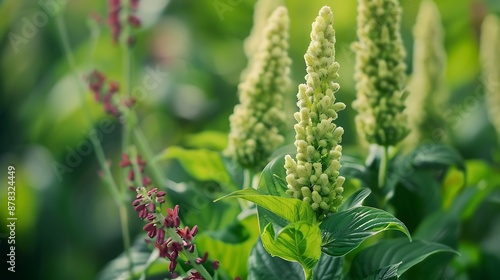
pixel 148 206
pixel 115 7
pixel 104 93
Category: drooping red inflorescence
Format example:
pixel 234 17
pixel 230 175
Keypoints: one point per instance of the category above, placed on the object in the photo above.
pixel 102 93
pixel 148 206
pixel 117 26
pixel 114 19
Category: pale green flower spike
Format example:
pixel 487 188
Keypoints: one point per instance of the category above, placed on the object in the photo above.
pixel 257 121
pixel 314 175
pixel 262 11
pixel 428 79
pixel 380 73
pixel 490 57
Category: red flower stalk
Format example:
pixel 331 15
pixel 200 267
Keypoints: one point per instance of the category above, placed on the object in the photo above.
pixel 115 8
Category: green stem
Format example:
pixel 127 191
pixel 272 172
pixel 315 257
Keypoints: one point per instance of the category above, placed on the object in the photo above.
pixel 382 172
pixel 143 146
pixel 108 177
pixel 190 256
pixel 308 274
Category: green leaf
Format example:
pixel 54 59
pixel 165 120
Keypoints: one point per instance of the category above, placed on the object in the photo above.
pixel 329 268
pixel 262 265
pixel 201 164
pixel 355 200
pixel 354 168
pixel 213 140
pixel 385 273
pixel 272 180
pixel 441 227
pixel 391 252
pixel 436 156
pixel 290 209
pixel 231 246
pixel 345 231
pixel 299 242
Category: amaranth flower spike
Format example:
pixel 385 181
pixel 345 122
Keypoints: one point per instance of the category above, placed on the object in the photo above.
pixel 257 121
pixel 380 73
pixel 314 175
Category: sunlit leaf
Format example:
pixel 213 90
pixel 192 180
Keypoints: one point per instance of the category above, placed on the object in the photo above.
pixel 300 242
pixel 290 209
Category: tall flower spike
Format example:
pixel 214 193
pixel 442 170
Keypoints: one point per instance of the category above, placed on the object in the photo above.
pixel 257 121
pixel 262 11
pixel 314 175
pixel 490 58
pixel 380 73
pixel 427 82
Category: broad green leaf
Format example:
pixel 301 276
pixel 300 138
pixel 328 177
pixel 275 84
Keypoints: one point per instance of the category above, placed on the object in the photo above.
pixel 385 273
pixel 328 267
pixel 231 246
pixel 355 200
pixel 299 242
pixel 213 140
pixel 272 180
pixel 416 197
pixel 262 265
pixel 394 251
pixel 441 227
pixel 290 209
pixel 345 231
pixel 201 164
pixel 436 156
pixel 197 207
pixel 354 168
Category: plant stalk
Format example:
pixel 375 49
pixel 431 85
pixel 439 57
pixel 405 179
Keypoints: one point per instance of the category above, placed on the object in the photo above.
pixel 108 177
pixel 382 172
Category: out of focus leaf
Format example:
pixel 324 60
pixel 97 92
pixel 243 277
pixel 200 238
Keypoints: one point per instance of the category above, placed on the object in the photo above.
pixel 213 140
pixel 201 164
pixel 231 246
pixel 436 156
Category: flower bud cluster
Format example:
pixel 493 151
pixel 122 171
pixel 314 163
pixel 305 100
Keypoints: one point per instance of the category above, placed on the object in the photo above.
pixel 257 121
pixel 171 239
pixel 105 93
pixel 314 176
pixel 427 81
pixel 115 21
pixel 380 73
pixel 490 58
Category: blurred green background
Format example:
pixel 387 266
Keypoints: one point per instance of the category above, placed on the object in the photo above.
pixel 67 223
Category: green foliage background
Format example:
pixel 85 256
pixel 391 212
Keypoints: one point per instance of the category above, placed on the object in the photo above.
pixel 68 228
